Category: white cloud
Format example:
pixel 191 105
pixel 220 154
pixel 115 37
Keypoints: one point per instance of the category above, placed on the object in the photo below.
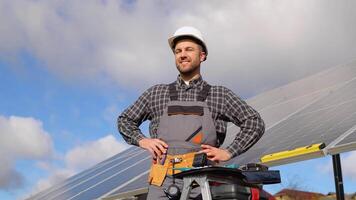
pixel 78 159
pixel 20 138
pixel 25 138
pixel 10 178
pixel 88 154
pixel 57 175
pixel 126 42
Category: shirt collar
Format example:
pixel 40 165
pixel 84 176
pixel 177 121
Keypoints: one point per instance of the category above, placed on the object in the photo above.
pixel 193 83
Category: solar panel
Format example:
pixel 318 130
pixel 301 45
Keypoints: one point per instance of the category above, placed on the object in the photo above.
pixel 320 81
pixel 97 189
pixel 351 137
pixel 346 142
pixel 139 183
pixel 320 122
pixel 320 108
pixel 60 186
pixel 61 189
pixel 274 113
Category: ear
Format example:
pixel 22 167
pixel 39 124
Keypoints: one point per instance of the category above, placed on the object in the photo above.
pixel 202 56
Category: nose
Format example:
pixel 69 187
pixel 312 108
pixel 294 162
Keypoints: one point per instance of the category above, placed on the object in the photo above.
pixel 183 55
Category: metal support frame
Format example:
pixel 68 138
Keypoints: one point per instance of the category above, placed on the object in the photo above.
pixel 339 186
pixel 224 175
pixel 203 181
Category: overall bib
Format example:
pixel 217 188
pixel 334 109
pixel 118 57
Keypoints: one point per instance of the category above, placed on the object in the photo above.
pixel 184 126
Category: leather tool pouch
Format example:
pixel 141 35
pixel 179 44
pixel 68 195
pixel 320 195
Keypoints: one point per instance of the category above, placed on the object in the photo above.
pixel 158 171
pixel 157 174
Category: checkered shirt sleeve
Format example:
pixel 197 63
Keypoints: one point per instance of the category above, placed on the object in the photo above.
pixel 251 124
pixel 130 120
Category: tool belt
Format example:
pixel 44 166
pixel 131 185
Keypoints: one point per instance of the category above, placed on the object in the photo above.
pixel 159 170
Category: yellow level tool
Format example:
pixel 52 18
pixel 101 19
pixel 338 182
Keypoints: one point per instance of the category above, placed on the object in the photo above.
pixel 292 153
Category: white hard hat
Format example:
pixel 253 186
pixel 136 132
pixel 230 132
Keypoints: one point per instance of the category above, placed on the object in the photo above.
pixel 188 31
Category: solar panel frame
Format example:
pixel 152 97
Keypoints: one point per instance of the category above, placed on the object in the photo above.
pixel 346 142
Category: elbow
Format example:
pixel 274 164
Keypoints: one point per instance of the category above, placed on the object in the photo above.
pixel 256 126
pixel 260 127
pixel 120 122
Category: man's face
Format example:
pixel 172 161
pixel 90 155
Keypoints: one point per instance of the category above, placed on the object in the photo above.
pixel 188 56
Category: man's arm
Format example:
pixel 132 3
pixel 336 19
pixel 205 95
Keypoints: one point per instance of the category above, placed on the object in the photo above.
pixel 251 125
pixel 250 122
pixel 130 120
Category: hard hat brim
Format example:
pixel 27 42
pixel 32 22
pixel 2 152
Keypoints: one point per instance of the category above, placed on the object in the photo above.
pixel 174 39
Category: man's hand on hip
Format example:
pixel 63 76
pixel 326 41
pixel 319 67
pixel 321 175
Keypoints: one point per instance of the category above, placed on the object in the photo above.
pixel 156 147
pixel 215 154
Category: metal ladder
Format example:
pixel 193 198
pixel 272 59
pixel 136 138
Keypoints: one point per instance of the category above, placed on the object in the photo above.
pixel 203 179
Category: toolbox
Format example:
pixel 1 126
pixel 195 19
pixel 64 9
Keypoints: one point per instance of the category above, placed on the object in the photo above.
pixel 230 191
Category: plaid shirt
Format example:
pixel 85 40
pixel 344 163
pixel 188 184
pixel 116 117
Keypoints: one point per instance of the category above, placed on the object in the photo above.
pixel 224 105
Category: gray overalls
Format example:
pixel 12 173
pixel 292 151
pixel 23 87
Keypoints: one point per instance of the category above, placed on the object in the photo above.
pixel 184 126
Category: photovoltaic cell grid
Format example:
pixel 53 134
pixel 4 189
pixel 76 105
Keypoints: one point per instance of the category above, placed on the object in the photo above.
pixel 284 101
pixel 72 181
pixel 80 176
pixel 137 184
pixel 323 121
pixel 348 139
pixel 117 179
pixel 272 114
pixel 296 115
pixel 77 187
pixel 312 84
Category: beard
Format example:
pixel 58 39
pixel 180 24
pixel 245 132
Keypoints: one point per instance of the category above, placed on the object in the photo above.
pixel 187 70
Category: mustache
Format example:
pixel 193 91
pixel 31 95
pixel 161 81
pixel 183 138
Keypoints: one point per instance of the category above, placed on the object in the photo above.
pixel 184 60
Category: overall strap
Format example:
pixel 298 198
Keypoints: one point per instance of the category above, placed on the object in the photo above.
pixel 173 93
pixel 204 92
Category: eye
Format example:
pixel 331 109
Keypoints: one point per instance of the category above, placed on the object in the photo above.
pixel 177 51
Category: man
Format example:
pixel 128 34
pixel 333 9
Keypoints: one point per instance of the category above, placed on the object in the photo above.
pixel 188 115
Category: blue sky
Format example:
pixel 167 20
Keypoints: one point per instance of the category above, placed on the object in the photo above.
pixel 67 69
